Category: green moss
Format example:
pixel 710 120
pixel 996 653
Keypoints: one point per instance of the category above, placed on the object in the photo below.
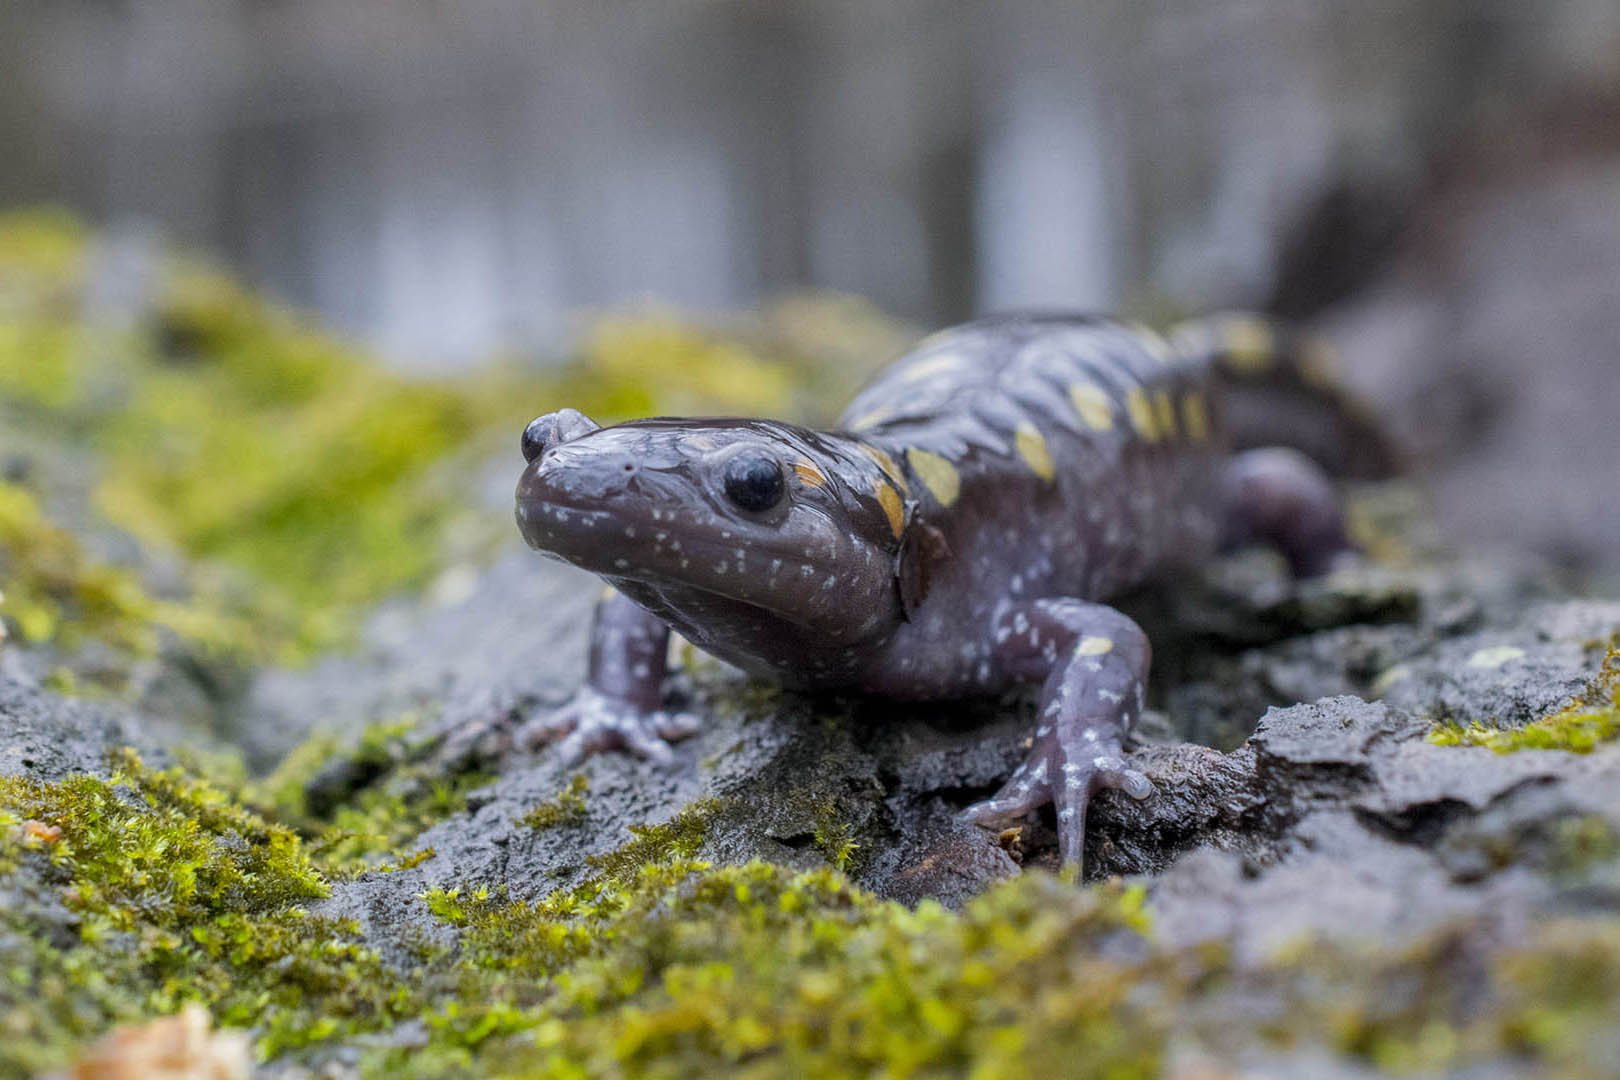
pixel 756 971
pixel 42 354
pixel 51 591
pixel 129 896
pixel 568 808
pixel 132 895
pixel 677 839
pixel 1547 1003
pixel 834 837
pixel 362 806
pixel 1589 721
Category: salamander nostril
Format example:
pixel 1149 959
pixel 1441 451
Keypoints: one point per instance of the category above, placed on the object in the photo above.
pixel 629 467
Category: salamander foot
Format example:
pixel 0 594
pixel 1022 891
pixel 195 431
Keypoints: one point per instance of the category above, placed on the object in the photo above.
pixel 1052 774
pixel 591 722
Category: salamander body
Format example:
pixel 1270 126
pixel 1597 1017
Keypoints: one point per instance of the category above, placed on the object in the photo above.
pixel 958 532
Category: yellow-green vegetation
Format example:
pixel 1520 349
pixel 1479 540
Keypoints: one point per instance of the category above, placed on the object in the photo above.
pixel 362 806
pixel 834 837
pixel 568 808
pixel 1587 722
pixel 307 480
pixel 51 590
pixel 688 970
pixel 125 898
pixel 1547 1003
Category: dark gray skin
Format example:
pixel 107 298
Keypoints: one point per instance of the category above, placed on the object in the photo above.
pixel 957 535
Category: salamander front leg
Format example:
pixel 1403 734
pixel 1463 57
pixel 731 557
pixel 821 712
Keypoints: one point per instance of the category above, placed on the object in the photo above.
pixel 620 704
pixel 1094 663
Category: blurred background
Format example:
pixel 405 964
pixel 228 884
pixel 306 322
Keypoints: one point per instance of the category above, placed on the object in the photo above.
pixel 1433 183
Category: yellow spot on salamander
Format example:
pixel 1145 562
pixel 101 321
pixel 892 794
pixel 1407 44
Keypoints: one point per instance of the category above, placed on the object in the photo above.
pixel 1094 646
pixel 871 418
pixel 1248 343
pixel 1032 448
pixel 1195 416
pixel 891 468
pixel 811 475
pixel 1164 414
pixel 1141 414
pixel 893 509
pixel 932 365
pixel 1092 403
pixel 1495 657
pixel 938 474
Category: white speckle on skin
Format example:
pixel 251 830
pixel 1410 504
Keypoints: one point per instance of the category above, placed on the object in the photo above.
pixel 621 563
pixel 630 531
pixel 720 567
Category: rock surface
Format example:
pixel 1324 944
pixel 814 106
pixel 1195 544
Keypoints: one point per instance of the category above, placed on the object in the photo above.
pixel 1300 797
pixel 1329 812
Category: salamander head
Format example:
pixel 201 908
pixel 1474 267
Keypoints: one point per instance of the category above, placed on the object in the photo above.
pixel 740 520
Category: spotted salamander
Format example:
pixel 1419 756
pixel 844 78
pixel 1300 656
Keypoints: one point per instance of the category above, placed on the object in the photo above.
pixel 957 532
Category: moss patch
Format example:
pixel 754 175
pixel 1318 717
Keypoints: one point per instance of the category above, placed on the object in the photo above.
pixel 127 897
pixel 361 806
pixel 1587 722
pixel 54 592
pixel 132 895
pixel 568 808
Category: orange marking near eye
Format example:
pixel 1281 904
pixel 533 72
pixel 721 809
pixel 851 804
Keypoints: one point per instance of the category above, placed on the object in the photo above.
pixel 809 474
pixel 893 509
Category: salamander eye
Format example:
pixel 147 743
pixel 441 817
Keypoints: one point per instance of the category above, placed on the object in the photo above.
pixel 754 483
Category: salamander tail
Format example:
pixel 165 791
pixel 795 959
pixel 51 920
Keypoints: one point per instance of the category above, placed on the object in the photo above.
pixel 1281 388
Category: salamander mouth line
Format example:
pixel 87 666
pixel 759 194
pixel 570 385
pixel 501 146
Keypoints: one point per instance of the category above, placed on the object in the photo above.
pixel 592 547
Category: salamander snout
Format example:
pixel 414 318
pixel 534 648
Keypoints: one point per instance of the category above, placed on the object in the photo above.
pixel 553 429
